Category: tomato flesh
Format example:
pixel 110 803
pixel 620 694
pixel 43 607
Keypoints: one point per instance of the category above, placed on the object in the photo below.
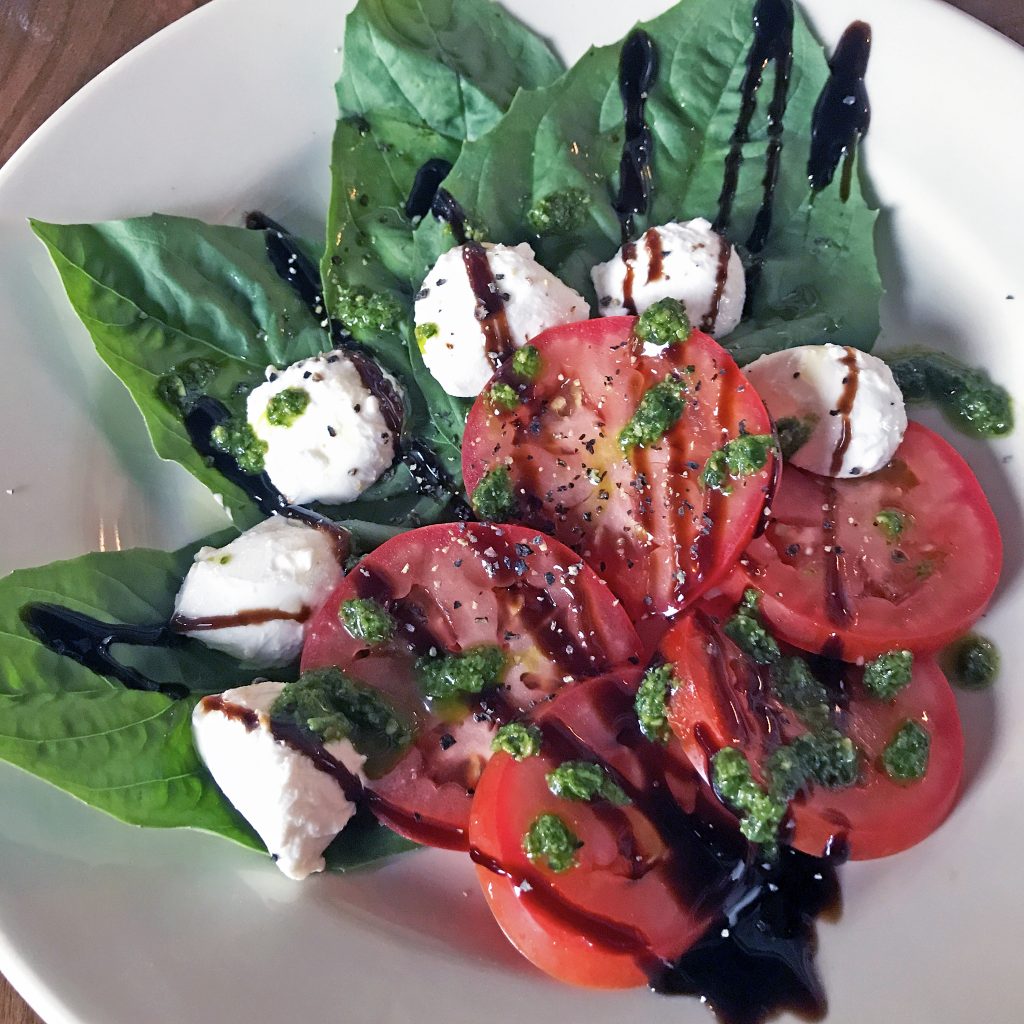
pixel 642 520
pixel 726 700
pixel 643 887
pixel 450 588
pixel 834 579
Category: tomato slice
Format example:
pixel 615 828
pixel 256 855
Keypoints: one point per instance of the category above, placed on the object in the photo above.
pixel 644 521
pixel 725 699
pixel 450 588
pixel 905 558
pixel 645 882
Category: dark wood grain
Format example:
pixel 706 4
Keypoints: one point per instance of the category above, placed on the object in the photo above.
pixel 49 49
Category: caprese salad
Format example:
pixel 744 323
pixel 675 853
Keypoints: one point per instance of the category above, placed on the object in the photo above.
pixel 674 639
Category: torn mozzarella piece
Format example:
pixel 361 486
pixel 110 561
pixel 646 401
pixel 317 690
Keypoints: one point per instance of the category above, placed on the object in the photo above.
pixel 449 315
pixel 252 598
pixel 296 807
pixel 844 402
pixel 688 261
pixel 326 433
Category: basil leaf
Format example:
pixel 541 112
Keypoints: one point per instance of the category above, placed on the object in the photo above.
pixel 123 751
pixel 156 292
pixel 820 278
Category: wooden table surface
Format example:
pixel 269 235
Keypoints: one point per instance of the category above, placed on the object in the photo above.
pixel 50 48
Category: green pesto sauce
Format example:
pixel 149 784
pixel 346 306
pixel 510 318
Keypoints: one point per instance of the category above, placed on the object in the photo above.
pixel 972 662
pixel 658 412
pixel 887 674
pixel 794 432
pixel 183 386
pixel 493 498
pixel 744 629
pixel 503 396
pixel 761 812
pixel 664 322
pixel 891 522
pixel 970 399
pixel 549 839
pixel 526 362
pixel 518 740
pixel 236 438
pixel 473 671
pixel 333 707
pixel 287 406
pixel 651 702
pixel 559 213
pixel 368 620
pixel 801 691
pixel 906 757
pixel 424 332
pixel 583 781
pixel 742 456
pixel 367 312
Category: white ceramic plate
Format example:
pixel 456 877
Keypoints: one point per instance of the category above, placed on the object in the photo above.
pixel 232 109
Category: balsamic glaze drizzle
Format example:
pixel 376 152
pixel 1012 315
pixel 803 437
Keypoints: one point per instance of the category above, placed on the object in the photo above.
pixel 88 641
pixel 446 208
pixel 842 113
pixel 425 186
pixel 638 69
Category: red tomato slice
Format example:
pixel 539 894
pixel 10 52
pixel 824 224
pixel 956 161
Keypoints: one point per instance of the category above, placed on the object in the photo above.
pixel 727 700
pixel 832 579
pixel 450 588
pixel 643 886
pixel 643 521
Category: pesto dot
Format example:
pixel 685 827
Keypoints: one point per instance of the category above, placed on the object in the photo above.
pixel 973 662
pixel 526 362
pixel 744 629
pixel 517 739
pixel 801 691
pixel 237 439
pixel 583 781
pixel 658 412
pixel 473 671
pixel 664 322
pixel 332 706
pixel 906 757
pixel 502 396
pixel 368 620
pixel 364 312
pixel 794 432
pixel 560 212
pixel 424 332
pixel 287 406
pixel 829 758
pixel 549 839
pixel 761 812
pixel 742 456
pixel 889 673
pixel 891 522
pixel 183 386
pixel 492 499
pixel 651 702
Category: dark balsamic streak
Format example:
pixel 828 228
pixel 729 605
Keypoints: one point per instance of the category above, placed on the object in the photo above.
pixel 842 113
pixel 249 617
pixel 629 258
pixel 302 740
pixel 289 261
pixel 446 208
pixel 490 304
pixel 425 186
pixel 638 69
pixel 709 321
pixel 88 641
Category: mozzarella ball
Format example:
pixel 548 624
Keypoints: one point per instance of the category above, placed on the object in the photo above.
pixel 274 575
pixel 449 330
pixel 296 808
pixel 811 385
pixel 327 437
pixel 680 261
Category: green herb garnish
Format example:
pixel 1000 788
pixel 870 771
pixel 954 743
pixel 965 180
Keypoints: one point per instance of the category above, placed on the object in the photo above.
pixel 742 456
pixel 906 757
pixel 368 620
pixel 287 406
pixel 517 739
pixel 581 780
pixel 551 840
pixel 473 671
pixel 889 673
pixel 664 322
pixel 658 412
pixel 652 702
pixel 492 499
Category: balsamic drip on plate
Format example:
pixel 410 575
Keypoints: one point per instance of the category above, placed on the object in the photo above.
pixel 638 69
pixel 88 641
pixel 424 187
pixel 842 114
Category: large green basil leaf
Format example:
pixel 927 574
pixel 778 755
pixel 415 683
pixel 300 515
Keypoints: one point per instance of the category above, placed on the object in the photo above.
pixel 419 78
pixel 820 280
pixel 123 751
pixel 156 292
